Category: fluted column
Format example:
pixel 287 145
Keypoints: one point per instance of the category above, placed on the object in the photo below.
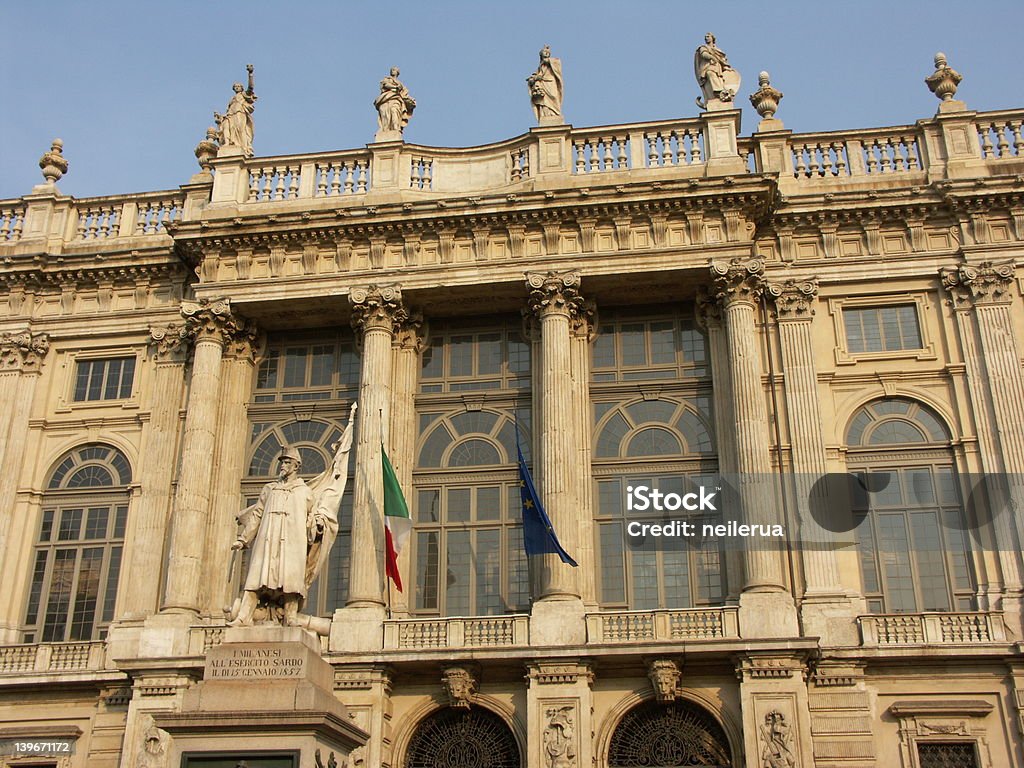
pixel 229 465
pixel 21 360
pixel 997 387
pixel 409 342
pixel 212 325
pixel 376 311
pixel 738 287
pixel 709 317
pixel 555 300
pixel 584 329
pixel 147 526
pixel 794 308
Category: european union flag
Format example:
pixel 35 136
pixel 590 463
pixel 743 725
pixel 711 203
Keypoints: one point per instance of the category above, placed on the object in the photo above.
pixel 538 534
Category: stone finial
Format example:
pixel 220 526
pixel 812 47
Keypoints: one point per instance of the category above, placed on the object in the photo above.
pixel 765 99
pixel 460 685
pixel 53 163
pixel 206 150
pixel 944 81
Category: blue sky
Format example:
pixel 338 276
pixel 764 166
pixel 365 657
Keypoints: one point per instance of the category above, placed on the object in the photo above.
pixel 131 86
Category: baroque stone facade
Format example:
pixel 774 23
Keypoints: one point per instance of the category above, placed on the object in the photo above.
pixel 647 303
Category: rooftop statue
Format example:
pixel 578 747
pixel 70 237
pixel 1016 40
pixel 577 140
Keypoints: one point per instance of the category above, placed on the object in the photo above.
pixel 290 530
pixel 235 125
pixel 546 89
pixel 394 108
pixel 718 81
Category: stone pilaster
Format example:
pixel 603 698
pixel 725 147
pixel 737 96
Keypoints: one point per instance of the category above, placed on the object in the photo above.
pixel 236 384
pixel 559 713
pixel 766 608
pixel 709 317
pixel 410 339
pixel 776 720
pixel 840 709
pixel 584 329
pixel 147 526
pixel 212 325
pixel 366 691
pixel 377 313
pixel 826 611
pixel 21 359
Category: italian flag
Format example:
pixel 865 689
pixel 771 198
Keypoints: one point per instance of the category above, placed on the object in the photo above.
pixel 397 523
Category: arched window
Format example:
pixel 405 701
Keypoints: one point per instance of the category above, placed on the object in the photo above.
pixel 467 555
pixel 667 735
pixel 463 738
pixel 314 439
pixel 79 544
pixel 913 551
pixel 664 444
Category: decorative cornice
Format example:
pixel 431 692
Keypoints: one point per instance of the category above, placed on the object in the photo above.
pixel 793 299
pixel 564 672
pixel 377 307
pixel 23 351
pixel 738 281
pixel 555 293
pixel 776 667
pixel 985 283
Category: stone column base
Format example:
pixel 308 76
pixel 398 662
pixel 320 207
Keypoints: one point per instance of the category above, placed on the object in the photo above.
pixel 768 614
pixel 558 622
pixel 833 618
pixel 358 629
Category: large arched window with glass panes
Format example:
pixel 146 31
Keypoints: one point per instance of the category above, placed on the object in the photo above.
pixel 79 544
pixel 467 555
pixel 652 426
pixel 914 553
pixel 304 388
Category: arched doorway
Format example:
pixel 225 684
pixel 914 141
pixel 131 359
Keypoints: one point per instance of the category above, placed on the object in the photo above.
pixel 463 738
pixel 657 735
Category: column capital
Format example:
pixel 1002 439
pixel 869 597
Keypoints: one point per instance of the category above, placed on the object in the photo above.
pixel 793 299
pixel 411 333
pixel 212 320
pixel 170 343
pixel 554 293
pixel 377 307
pixel 584 323
pixel 978 284
pixel 738 281
pixel 23 351
pixel 708 310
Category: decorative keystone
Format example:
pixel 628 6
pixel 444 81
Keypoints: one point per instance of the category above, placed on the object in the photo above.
pixel 664 675
pixel 944 81
pixel 765 99
pixel 53 163
pixel 460 685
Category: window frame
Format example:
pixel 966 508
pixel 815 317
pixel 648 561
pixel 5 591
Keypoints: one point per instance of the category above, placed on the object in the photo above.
pixel 918 299
pixel 73 358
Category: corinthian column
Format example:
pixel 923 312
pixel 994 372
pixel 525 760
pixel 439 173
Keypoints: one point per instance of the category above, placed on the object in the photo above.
pixel 212 324
pixel 997 387
pixel 738 286
pixel 140 595
pixel 376 313
pixel 556 303
pixel 21 360
pixel 584 329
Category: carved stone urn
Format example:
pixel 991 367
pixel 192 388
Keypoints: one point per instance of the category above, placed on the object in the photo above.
pixel 765 99
pixel 53 163
pixel 206 150
pixel 944 81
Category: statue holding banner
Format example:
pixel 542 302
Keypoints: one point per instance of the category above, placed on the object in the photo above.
pixel 289 532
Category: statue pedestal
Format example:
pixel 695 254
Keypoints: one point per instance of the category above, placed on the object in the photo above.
pixel 265 690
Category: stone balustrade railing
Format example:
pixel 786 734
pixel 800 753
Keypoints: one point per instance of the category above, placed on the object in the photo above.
pixel 932 628
pixel 984 143
pixel 52 658
pixel 456 632
pixel 663 625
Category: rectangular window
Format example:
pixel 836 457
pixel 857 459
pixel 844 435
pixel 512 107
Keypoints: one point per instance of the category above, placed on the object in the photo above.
pixel 635 349
pixel 948 754
pixel 882 329
pixel 325 370
pixel 461 360
pixel 106 379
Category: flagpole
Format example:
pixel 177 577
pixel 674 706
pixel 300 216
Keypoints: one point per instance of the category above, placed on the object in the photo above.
pixel 380 415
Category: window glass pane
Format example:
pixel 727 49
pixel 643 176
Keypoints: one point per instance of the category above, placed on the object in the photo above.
pixel 489 354
pixel 81 381
pixel 36 590
pixel 604 348
pixel 654 442
pixel 295 367
pixel 609 498
pixel 113 572
pixel 488 503
pixel 266 377
pixel 518 356
pixel 95 380
pixel 631 339
pixel 84 615
pixel 644 580
pixel 348 367
pixel 427 560
pixel 895 432
pixel 113 382
pixel 663 343
pixel 70 525
pixel 658 411
pixel 474 453
pixel 610 437
pixel 457 574
pixel 518 572
pixel 59 599
pixel 676 577
pixel 930 561
pixel 611 573
pixel 895 559
pixel 710 584
pixel 96 523
pixel 428 503
pixel 460 356
pixel 431 360
pixel 458 505
pixel 322 371
pixel 487 564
